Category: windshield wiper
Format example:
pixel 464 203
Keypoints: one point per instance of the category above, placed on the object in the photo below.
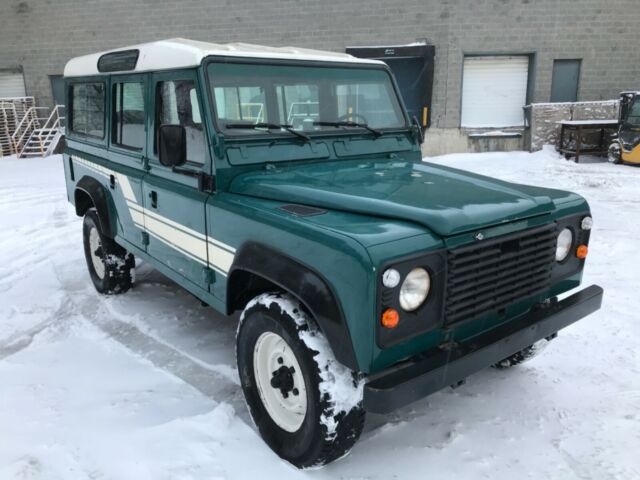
pixel 377 133
pixel 269 126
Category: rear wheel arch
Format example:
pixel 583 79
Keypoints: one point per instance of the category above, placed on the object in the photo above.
pixel 258 268
pixel 90 193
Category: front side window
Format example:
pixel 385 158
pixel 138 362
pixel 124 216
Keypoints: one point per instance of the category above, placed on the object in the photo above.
pixel 87 109
pixel 177 104
pixel 128 115
pixel 305 98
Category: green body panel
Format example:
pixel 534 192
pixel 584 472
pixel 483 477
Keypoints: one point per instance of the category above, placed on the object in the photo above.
pixel 381 202
pixel 445 200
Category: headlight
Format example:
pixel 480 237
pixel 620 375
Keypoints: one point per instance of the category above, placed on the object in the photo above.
pixel 414 289
pixel 565 240
pixel 586 223
pixel 391 278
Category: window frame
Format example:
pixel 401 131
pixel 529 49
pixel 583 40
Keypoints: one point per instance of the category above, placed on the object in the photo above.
pixel 152 127
pixel 129 78
pixel 299 63
pixel 105 113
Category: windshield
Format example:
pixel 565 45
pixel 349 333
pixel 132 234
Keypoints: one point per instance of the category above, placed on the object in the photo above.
pixel 634 114
pixel 305 99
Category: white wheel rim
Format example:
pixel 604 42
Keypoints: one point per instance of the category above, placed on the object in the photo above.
pixel 287 406
pixel 94 245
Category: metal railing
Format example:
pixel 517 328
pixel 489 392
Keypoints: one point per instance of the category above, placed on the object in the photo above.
pixel 37 130
pixel 51 129
pixel 29 122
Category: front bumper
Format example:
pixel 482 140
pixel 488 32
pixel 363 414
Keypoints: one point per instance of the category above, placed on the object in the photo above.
pixel 429 373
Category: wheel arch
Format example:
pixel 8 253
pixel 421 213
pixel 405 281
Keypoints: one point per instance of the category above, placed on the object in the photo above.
pixel 258 268
pixel 90 193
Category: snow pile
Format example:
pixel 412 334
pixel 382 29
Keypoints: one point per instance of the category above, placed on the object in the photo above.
pixel 144 385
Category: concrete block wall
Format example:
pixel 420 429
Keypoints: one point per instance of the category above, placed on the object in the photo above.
pixel 41 35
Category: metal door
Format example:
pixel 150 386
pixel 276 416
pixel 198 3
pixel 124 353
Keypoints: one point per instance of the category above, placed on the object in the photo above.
pixel 564 83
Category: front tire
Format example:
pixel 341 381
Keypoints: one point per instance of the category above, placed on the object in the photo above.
pixel 523 355
pixel 109 265
pixel 614 154
pixel 306 406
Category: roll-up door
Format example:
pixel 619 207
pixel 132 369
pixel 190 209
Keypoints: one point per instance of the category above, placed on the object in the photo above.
pixel 494 90
pixel 11 84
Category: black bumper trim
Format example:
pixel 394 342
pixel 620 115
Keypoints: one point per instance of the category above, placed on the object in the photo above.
pixel 429 373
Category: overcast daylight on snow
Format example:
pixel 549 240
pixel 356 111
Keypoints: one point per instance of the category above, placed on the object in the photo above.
pixel 319 240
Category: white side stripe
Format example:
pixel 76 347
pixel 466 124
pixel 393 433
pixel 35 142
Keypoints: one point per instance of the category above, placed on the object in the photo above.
pixel 127 191
pixel 191 243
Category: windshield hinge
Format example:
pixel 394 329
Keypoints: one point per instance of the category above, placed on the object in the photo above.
pixel 206 182
pixel 218 145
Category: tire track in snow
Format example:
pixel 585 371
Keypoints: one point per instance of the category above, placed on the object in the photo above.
pixel 22 339
pixel 206 379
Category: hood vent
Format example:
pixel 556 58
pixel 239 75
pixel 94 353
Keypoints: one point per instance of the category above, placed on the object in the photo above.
pixel 302 210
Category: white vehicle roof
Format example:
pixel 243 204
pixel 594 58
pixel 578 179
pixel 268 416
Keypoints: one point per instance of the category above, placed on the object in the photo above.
pixel 181 53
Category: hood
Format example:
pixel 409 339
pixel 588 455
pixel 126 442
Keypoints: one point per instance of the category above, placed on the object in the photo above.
pixel 445 200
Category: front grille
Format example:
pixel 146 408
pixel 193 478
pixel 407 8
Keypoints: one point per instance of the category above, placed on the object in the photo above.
pixel 489 276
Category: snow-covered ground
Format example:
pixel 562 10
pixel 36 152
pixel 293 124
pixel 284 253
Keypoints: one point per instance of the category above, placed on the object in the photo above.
pixel 144 386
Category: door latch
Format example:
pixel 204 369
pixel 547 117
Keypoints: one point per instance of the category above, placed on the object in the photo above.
pixel 153 195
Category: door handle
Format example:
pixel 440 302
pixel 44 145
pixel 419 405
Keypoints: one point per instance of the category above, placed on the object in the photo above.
pixel 154 199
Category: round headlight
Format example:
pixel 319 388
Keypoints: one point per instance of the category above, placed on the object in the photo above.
pixel 414 289
pixel 391 278
pixel 587 223
pixel 565 240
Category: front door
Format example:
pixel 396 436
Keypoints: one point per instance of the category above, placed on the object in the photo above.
pixel 174 206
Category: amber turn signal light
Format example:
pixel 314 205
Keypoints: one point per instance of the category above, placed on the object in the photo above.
pixel 581 251
pixel 390 318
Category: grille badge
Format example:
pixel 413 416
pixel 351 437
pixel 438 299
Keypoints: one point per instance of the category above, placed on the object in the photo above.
pixel 479 236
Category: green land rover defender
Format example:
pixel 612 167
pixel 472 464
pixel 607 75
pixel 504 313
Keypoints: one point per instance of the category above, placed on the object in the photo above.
pixel 288 184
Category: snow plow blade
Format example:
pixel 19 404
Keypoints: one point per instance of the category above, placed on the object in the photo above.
pixel 424 375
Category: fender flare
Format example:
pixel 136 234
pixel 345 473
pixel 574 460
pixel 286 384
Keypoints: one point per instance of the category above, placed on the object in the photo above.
pixel 100 199
pixel 308 286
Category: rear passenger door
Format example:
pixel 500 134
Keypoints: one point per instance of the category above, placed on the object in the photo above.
pixel 174 207
pixel 127 150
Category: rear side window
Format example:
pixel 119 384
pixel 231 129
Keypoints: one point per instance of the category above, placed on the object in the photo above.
pixel 87 109
pixel 177 104
pixel 128 115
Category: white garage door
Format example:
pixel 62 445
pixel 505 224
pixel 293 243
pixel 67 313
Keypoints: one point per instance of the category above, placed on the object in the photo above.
pixel 494 90
pixel 11 84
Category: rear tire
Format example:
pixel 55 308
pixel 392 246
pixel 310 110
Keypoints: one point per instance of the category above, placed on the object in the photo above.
pixel 110 266
pixel 282 357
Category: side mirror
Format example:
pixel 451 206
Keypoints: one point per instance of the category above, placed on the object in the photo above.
pixel 417 130
pixel 172 145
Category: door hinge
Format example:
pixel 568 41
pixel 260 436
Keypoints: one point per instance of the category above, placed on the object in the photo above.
pixel 208 276
pixel 145 238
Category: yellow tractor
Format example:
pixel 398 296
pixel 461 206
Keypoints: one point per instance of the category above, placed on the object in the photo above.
pixel 626 147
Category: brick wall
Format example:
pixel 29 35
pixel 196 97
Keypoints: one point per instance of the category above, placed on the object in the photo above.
pixel 40 35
